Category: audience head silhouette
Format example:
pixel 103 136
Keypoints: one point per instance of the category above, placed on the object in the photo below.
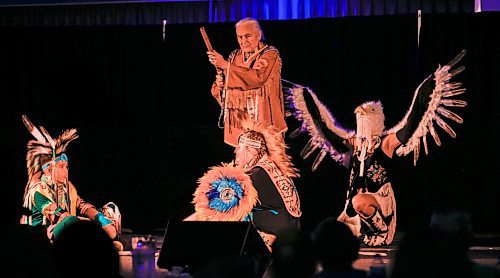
pixel 293 255
pixel 26 252
pixel 84 249
pixel 336 247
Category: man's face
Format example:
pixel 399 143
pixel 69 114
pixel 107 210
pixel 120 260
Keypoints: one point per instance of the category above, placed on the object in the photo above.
pixel 60 171
pixel 244 155
pixel 248 37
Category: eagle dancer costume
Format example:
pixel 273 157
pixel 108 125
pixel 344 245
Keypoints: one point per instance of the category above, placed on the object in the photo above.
pixel 370 208
pixel 260 189
pixel 51 199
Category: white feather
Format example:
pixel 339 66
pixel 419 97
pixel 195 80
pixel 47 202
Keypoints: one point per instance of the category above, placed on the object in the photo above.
pixel 33 130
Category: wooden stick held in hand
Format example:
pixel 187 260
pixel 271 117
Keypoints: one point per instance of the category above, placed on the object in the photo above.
pixel 222 115
pixel 208 44
pixel 206 39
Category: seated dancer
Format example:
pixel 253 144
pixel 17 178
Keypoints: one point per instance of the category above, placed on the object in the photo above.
pixel 50 197
pixel 370 208
pixel 257 187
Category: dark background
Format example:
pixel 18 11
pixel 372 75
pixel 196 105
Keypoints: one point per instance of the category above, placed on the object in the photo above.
pixel 148 124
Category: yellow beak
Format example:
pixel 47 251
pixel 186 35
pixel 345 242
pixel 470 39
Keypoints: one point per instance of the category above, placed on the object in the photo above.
pixel 359 110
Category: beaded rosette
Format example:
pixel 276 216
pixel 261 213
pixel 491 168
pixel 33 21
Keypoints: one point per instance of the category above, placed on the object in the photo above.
pixel 224 193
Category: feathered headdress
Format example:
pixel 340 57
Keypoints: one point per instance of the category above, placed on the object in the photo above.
pixel 274 143
pixel 224 193
pixel 44 148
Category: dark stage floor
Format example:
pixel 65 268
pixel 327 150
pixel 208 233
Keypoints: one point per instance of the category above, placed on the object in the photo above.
pixel 484 251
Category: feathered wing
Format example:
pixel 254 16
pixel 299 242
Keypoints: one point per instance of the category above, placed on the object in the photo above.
pixel 431 98
pixel 325 132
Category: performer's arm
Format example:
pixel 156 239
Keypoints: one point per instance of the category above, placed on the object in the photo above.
pixel 338 143
pixel 389 144
pixel 394 140
pixel 89 211
pixel 417 111
pixel 48 208
pixel 248 78
pixel 217 88
pixel 415 115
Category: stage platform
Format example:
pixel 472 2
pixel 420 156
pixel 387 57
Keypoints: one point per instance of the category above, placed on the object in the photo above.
pixel 485 250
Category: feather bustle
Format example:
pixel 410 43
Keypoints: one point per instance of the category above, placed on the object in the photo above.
pixel 237 213
pixel 65 138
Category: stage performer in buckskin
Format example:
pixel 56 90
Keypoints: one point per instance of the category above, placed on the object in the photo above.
pixel 248 84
